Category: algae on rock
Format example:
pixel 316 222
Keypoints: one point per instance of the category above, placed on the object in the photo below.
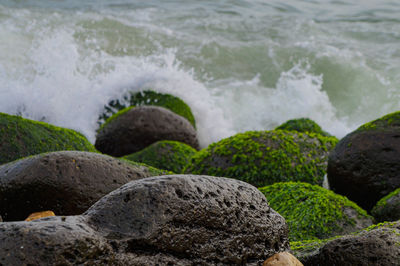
pixel 168 155
pixel 265 157
pixel 313 212
pixel 303 125
pixel 20 137
pixel 149 97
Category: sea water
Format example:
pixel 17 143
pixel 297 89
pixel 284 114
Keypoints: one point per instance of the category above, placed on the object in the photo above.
pixel 240 64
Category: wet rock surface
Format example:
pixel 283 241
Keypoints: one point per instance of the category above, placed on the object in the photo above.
pixel 374 246
pixel 365 165
pixel 66 182
pixel 388 208
pixel 137 128
pixel 175 220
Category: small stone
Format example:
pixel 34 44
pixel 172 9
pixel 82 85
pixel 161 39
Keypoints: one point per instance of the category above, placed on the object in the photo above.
pixel 38 215
pixel 282 259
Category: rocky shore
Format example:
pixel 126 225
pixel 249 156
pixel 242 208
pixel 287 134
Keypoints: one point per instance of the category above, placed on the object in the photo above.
pixel 145 194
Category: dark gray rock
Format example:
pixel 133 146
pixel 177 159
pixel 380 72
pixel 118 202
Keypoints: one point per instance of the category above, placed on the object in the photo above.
pixel 203 219
pixel 52 241
pixel 66 182
pixel 388 208
pixel 138 127
pixel 379 245
pixel 168 220
pixel 365 164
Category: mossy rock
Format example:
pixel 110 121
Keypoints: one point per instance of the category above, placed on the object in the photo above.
pixel 388 208
pixel 313 212
pixel 266 157
pixel 386 123
pixel 20 137
pixel 166 154
pixel 149 97
pixel 303 125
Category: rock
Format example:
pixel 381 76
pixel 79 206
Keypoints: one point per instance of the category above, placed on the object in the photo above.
pixel 39 215
pixel 265 157
pixel 282 259
pixel 365 164
pixel 133 129
pixel 376 245
pixel 303 125
pixel 149 97
pixel 53 241
pixel 67 182
pixel 166 154
pixel 313 212
pixel 388 208
pixel 168 220
pixel 21 137
pixel 200 218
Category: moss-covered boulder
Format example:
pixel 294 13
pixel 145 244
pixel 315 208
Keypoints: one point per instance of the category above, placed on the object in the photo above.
pixel 169 155
pixel 149 97
pixel 265 157
pixel 365 164
pixel 377 245
pixel 313 212
pixel 388 208
pixel 21 137
pixel 303 125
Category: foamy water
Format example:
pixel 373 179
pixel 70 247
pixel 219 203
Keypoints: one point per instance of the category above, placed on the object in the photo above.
pixel 240 65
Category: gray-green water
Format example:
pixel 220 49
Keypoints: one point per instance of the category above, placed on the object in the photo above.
pixel 241 65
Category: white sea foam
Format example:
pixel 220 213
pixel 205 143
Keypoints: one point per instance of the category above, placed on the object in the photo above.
pixel 238 71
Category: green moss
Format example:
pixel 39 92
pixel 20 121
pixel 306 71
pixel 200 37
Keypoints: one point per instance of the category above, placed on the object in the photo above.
pixel 152 170
pixel 265 157
pixel 303 125
pixel 169 155
pixel 312 212
pixel 385 211
pixel 21 137
pixel 148 97
pixel 390 121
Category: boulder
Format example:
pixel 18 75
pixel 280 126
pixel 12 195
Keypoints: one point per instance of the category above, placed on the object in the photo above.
pixel 303 125
pixel 66 182
pixel 365 164
pixel 167 220
pixel 388 208
pixel 149 97
pixel 376 245
pixel 165 154
pixel 135 128
pixel 313 212
pixel 21 137
pixel 265 157
pixel 282 259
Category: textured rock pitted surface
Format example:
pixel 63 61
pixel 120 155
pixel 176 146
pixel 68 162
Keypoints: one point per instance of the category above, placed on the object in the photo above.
pixel 365 165
pixel 66 182
pixel 168 220
pixel 373 246
pixel 138 127
pixel 204 219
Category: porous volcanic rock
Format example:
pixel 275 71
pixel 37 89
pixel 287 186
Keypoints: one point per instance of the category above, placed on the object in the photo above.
pixel 66 182
pixel 53 241
pixel 365 164
pixel 388 208
pixel 167 220
pixel 135 128
pixel 203 219
pixel 20 137
pixel 265 157
pixel 376 245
